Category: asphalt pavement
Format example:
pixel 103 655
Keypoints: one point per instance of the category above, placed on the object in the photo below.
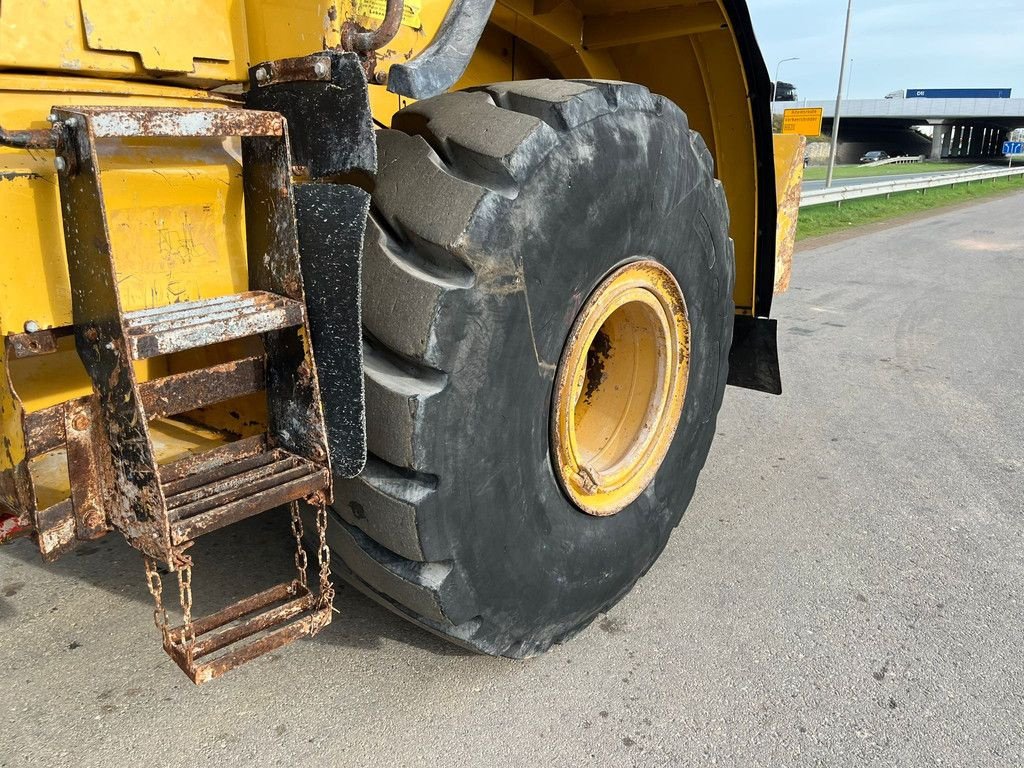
pixel 845 589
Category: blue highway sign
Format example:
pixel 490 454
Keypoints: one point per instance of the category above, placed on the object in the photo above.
pixel 1013 147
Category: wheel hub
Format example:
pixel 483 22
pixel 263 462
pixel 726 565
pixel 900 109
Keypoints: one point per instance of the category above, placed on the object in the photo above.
pixel 620 387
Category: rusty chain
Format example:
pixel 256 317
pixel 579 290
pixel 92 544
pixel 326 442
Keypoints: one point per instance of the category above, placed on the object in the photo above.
pixel 301 562
pixel 325 599
pixel 323 556
pixel 188 632
pixel 156 589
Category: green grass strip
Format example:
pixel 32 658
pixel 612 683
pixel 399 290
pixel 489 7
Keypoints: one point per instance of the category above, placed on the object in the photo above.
pixel 827 218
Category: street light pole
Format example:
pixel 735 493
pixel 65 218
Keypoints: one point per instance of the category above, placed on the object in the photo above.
pixel 775 84
pixel 839 99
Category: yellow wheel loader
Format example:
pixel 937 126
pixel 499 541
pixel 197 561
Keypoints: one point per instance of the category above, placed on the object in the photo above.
pixel 456 285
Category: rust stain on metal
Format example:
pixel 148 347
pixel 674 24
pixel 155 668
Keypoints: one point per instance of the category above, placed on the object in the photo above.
pixel 35 343
pixel 86 458
pixel 316 67
pixel 192 466
pixel 182 392
pixel 261 613
pixel 126 122
pixel 177 327
pixel 56 539
pixel 115 479
pixel 8 490
pixel 36 139
pixel 355 38
pixel 234 491
pixel 789 174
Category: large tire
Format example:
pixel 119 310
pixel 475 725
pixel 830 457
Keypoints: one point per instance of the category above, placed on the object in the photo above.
pixel 495 214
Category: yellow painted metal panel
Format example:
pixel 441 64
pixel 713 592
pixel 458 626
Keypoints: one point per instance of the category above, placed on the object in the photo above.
pixel 174 209
pixel 168 37
pixel 420 23
pixel 280 29
pixel 12 438
pixel 46 380
pixel 59 35
pixel 789 176
pixel 624 28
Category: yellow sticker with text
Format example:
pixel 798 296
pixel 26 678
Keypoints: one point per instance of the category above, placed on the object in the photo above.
pixel 374 9
pixel 804 122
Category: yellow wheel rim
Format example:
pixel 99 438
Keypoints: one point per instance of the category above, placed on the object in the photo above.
pixel 620 388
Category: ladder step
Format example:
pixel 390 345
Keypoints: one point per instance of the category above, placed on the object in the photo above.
pixel 247 605
pixel 196 465
pixel 232 491
pixel 117 122
pixel 261 613
pixel 181 392
pixel 191 324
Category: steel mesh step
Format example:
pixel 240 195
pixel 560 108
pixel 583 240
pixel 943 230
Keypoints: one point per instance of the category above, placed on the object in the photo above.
pixel 191 324
pixel 228 492
pixel 279 615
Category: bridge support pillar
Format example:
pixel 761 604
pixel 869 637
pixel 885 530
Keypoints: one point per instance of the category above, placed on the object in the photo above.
pixel 938 140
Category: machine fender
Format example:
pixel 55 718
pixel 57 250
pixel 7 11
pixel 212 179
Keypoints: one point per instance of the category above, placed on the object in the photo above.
pixel 759 88
pixel 442 62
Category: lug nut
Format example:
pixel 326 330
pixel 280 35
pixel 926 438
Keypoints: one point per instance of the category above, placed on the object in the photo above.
pixel 51 118
pixel 320 68
pixel 262 75
pixel 31 326
pixel 60 164
pixel 80 422
pixel 380 77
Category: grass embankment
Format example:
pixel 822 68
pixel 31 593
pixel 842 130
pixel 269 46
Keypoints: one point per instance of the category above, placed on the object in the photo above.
pixel 817 172
pixel 827 218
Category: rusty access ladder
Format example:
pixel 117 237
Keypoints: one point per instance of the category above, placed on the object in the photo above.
pixel 162 510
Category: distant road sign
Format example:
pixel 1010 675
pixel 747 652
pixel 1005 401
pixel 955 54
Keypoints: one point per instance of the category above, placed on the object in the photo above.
pixel 805 122
pixel 958 93
pixel 1013 148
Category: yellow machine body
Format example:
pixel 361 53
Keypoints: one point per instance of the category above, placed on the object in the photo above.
pixel 175 210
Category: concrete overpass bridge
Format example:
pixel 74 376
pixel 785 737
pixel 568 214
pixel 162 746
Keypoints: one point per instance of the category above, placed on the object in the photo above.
pixel 961 128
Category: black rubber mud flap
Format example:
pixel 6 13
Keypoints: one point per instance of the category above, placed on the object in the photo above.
pixel 495 214
pixel 330 126
pixel 754 357
pixel 331 221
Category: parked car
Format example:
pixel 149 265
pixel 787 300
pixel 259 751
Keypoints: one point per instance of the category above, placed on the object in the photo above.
pixel 874 156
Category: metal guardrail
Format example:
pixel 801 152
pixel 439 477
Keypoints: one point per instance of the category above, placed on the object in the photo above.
pixel 841 194
pixel 902 160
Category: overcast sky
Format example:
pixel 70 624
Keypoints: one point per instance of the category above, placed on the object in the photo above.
pixel 894 44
